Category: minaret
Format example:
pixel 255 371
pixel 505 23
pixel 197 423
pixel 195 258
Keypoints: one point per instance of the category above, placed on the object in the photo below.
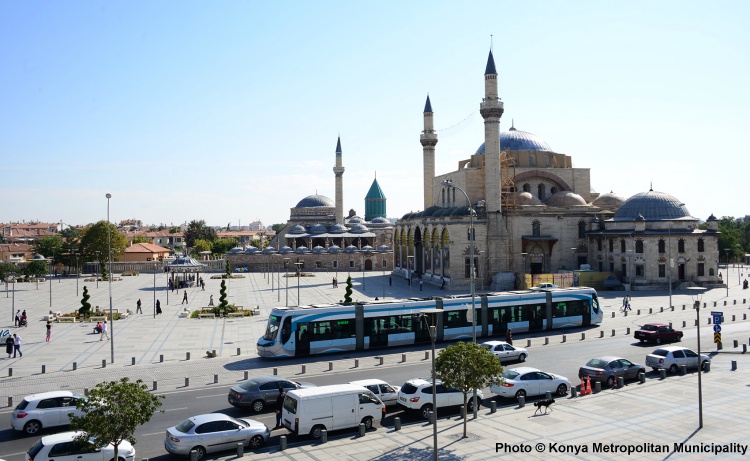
pixel 491 109
pixel 429 139
pixel 338 170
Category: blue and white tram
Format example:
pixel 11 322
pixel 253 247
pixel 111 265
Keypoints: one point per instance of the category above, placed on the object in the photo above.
pixel 320 329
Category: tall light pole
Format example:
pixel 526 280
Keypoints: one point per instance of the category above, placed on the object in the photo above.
pixel 156 265
pixel 695 294
pixel 523 281
pixel 98 264
pixel 286 276
pixel 408 272
pixel 726 280
pixel 109 279
pixel 299 275
pixel 77 273
pixel 669 262
pixel 433 313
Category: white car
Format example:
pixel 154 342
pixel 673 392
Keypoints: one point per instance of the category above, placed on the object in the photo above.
pixel 527 381
pixel 505 352
pixel 62 447
pixel 47 409
pixel 385 392
pixel 544 286
pixel 416 394
pixel 672 357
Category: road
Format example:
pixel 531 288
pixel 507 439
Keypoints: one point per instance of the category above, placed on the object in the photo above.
pixel 559 358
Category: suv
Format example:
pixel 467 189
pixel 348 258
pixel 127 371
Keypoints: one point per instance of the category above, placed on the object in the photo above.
pixel 657 333
pixel 47 409
pixel 416 394
pixel 672 357
pixel 64 446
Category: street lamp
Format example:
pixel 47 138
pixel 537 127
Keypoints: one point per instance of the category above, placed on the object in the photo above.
pixel 726 250
pixel 695 294
pixel 299 275
pixel 523 281
pixel 286 276
pixel 408 272
pixel 109 279
pixel 98 267
pixel 156 265
pixel 77 274
pixel 433 313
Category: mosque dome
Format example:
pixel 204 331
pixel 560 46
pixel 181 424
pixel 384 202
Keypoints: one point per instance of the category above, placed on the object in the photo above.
pixel 312 201
pixel 337 229
pixel 520 198
pixel 269 250
pixel 351 249
pixel 652 206
pixel 333 249
pixel 318 229
pixel 251 250
pixel 379 220
pixel 514 139
pixel 354 219
pixel 429 211
pixel 608 200
pixel 565 198
pixel 302 250
pixel 298 229
pixel 359 228
pixel 286 249
pixel 318 249
pixel 384 248
pixel 235 250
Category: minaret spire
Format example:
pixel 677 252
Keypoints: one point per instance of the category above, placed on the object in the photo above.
pixel 429 140
pixel 338 171
pixel 491 109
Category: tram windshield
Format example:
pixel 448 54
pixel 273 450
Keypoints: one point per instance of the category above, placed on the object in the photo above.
pixel 273 327
pixel 595 303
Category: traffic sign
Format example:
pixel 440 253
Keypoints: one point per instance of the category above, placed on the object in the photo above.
pixel 717 328
pixel 718 317
pixel 717 338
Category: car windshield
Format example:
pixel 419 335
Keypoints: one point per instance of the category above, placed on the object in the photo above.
pixel 185 426
pixel 408 389
pixel 597 363
pixel 660 352
pixel 248 385
pixel 238 422
pixel 510 374
pixel 649 327
pixel 22 405
pixel 35 449
pixel 273 327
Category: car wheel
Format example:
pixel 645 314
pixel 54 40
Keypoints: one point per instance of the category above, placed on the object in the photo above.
pixel 256 442
pixel 522 358
pixel 654 368
pixel 118 459
pixel 426 411
pixel 368 423
pixel 673 368
pixel 317 431
pixel 703 365
pixel 470 404
pixel 658 340
pixel 562 389
pixel 32 427
pixel 679 338
pixel 611 381
pixel 641 340
pixel 259 405
pixel 520 393
pixel 200 452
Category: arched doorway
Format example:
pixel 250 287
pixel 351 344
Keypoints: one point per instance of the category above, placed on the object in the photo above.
pixel 368 264
pixel 418 252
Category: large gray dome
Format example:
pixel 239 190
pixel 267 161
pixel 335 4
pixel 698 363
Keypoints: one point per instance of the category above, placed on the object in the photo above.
pixel 514 139
pixel 653 206
pixel 312 201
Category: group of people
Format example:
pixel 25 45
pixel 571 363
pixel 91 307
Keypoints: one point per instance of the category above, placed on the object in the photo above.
pixel 103 329
pixel 626 303
pixel 138 309
pixel 21 320
pixel 335 283
pixel 13 345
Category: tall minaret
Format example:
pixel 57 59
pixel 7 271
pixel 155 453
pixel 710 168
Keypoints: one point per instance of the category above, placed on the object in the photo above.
pixel 429 139
pixel 491 109
pixel 338 170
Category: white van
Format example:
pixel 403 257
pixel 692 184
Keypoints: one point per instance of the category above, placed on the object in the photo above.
pixel 340 406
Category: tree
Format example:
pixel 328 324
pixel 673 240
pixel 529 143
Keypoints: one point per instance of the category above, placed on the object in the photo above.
pixel 49 246
pixel 223 304
pixel 228 269
pixel 202 245
pixel 174 230
pixel 71 242
pixel 467 366
pixel 85 304
pixel 198 230
pixel 348 293
pixel 36 268
pixel 141 239
pixel 94 239
pixel 221 246
pixel 7 270
pixel 113 411
pixel 277 228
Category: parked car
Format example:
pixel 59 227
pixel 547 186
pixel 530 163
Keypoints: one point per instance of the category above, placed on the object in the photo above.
pixel 527 381
pixel 385 392
pixel 672 357
pixel 505 352
pixel 47 409
pixel 416 394
pixel 607 369
pixel 261 391
pixel 612 283
pixel 213 433
pixel 63 447
pixel 657 333
pixel 544 286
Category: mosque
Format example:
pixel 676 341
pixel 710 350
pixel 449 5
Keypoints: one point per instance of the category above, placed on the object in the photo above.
pixel 533 213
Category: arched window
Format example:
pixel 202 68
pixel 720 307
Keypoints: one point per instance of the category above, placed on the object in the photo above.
pixel 700 245
pixel 541 191
pixel 681 246
pixel 639 246
pixel 527 187
pixel 582 230
pixel 532 160
pixel 622 245
pixel 536 228
pixel 662 246
pixel 443 199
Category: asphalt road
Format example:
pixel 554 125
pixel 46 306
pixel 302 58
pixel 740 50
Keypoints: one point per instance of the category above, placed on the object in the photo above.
pixel 559 358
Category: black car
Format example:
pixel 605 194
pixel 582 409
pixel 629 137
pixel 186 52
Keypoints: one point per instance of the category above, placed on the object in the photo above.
pixel 261 391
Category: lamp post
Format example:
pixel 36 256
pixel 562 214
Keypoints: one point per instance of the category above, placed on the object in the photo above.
pixel 278 282
pixel 77 274
pixel 523 281
pixel 695 294
pixel 726 251
pixel 156 265
pixel 98 266
pixel 433 313
pixel 408 272
pixel 669 262
pixel 286 276
pixel 299 275
pixel 109 279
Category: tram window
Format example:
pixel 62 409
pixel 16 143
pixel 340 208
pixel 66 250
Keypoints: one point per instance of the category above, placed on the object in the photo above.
pixel 321 331
pixel 342 329
pixel 377 325
pixel 534 312
pixel 560 310
pixel 286 330
pixel 455 319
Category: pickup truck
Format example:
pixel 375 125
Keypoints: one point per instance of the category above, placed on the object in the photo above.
pixel 657 333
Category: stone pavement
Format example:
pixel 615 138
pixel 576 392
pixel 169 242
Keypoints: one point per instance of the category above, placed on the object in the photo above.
pixel 656 412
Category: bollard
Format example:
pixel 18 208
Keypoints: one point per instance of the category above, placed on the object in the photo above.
pixel 672 307
pixel 462 412
pixel 187 355
pixel 403 358
pixel 662 373
pixel 613 315
pixel 381 360
pixel 216 379
pixel 239 352
pixel 707 367
pixel 683 324
pixel 620 382
pixel 187 382
pixel 583 336
pixel 642 378
pixel 324 436
pixel 734 367
pixel 10 372
pixel 732 318
pixel 650 310
pixel 132 360
pixel 304 369
pixel 104 363
pixel 627 332
pixel 427 355
pixel 670 324
pixel 161 358
pixel 638 312
pixel 521 401
pixel 240 449
pixel 573 391
pixel 744 348
pixel 696 323
pixel 613 332
pixel 744 316
pixel 683 370
pixel 564 338
pixel 330 366
pixel 431 417
pixel 86 391
pixel 213 353
pixel 493 406
pixel 397 423
pixel 597 387
pixel 725 303
pixel 10 401
pixel 75 366
pixel 546 341
pixel 362 429
pixel 247 375
pixel 282 443
pixel 626 313
pixel 548 395
pixel 709 320
pixel 275 371
pixel 601 333
pixel 44 369
pixel 155 385
pixel 736 343
pixel 193 455
pixel 661 309
pixel 528 343
pixel 356 363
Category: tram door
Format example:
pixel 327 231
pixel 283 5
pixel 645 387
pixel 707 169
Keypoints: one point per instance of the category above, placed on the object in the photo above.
pixel 536 315
pixel 303 339
pixel 421 329
pixel 499 320
pixel 378 331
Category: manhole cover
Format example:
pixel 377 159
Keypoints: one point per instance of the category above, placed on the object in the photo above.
pixel 469 436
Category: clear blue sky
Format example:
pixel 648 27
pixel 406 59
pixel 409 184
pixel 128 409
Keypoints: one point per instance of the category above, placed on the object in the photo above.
pixel 229 111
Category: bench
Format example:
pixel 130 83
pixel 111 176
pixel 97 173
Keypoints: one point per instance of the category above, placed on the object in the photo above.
pixel 97 318
pixel 235 314
pixel 256 311
pixel 66 319
pixel 49 318
pixel 213 316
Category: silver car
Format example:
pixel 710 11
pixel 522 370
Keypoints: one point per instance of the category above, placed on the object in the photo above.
pixel 261 391
pixel 47 409
pixel 213 433
pixel 385 392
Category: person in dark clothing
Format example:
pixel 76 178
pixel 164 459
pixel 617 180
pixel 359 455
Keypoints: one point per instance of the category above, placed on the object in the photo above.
pixel 9 345
pixel 138 307
pixel 442 283
pixel 279 405
pixel 509 336
pixel 184 297
pixel 158 307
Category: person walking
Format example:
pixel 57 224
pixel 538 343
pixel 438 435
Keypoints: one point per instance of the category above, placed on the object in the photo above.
pixel 333 285
pixel 420 284
pixel 184 297
pixel 138 307
pixel 203 285
pixel 17 340
pixel 442 283
pixel 18 317
pixel 49 330
pixel 279 405
pixel 9 345
pixel 390 280
pixel 509 336
pixel 158 307
pixel 211 300
pixel 105 331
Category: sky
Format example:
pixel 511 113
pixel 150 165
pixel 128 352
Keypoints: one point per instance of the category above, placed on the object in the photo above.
pixel 229 111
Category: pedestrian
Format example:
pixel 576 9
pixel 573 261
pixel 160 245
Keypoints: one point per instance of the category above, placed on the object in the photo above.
pixel 138 309
pixel 203 285
pixel 49 330
pixel 98 328
pixel 23 314
pixel 18 317
pixel 627 306
pixel 105 330
pixel 184 297
pixel 390 280
pixel 211 300
pixel 158 307
pixel 333 283
pixel 509 336
pixel 9 345
pixel 420 284
pixel 442 282
pixel 17 345
pixel 279 405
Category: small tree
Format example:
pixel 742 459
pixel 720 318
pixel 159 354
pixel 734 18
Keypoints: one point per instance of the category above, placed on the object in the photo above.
pixel 113 411
pixel 105 274
pixel 223 295
pixel 348 294
pixel 36 268
pixel 85 304
pixel 228 269
pixel 467 366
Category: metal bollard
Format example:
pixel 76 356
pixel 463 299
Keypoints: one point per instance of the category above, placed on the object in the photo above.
pixel 650 310
pixel 620 382
pixel 734 366
pixel 546 341
pixel 625 313
pixel 213 353
pixel 683 324
pixel 597 387
pixel 239 352
pixel 155 386
pixel 744 316
pixel 356 363
pixel 672 307
pixel 601 333
pixel 275 371
pixel 397 423
pixel 193 455
pixel 638 312
pixel 564 338
pixel 528 343
pixel 583 336
pixel 187 382
pixel 613 332
pixel 403 358
pixel 104 363
pixel 493 406
pixel 462 412
pixel 381 360
pixel 661 309
pixel 642 378
pixel 573 391
pixel 10 401
pixel 736 343
pixel 709 320
pixel 44 369
pixel 548 395
pixel 187 355
pixel 670 324
pixel 324 436
pixel 161 358
pixel 240 449
pixel 613 315
pixel 75 366
pixel 521 401
pixel 282 443
pixel 683 307
pixel 627 332
pixel 707 367
pixel 330 366
pixel 683 370
pixel 86 391
pixel 10 372
pixel 247 375
pixel 744 348
pixel 216 379
pixel 304 369
pixel 427 355
pixel 431 417
pixel 732 318
pixel 362 429
pixel 662 373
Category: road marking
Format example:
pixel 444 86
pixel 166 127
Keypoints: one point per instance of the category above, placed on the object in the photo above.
pixel 175 409
pixel 153 433
pixel 207 396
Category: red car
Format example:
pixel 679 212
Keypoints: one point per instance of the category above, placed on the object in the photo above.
pixel 657 333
